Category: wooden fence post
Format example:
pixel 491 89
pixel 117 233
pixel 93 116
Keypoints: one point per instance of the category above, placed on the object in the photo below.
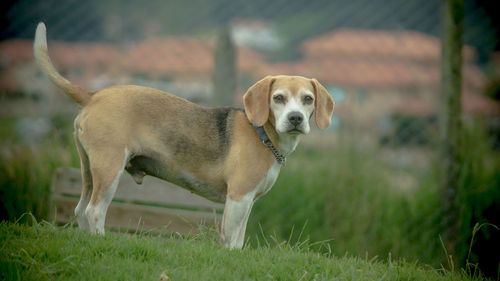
pixel 224 80
pixel 453 15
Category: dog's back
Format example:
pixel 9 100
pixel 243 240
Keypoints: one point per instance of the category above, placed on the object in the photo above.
pixel 173 138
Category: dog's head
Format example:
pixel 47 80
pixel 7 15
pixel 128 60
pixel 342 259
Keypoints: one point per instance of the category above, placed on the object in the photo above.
pixel 288 102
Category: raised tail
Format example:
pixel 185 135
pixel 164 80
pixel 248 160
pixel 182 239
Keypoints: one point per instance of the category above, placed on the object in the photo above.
pixel 41 52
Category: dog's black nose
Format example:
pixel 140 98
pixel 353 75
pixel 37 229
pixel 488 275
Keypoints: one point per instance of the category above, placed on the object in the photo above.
pixel 295 118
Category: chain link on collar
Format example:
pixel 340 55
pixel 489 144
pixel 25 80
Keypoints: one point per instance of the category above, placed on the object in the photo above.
pixel 280 158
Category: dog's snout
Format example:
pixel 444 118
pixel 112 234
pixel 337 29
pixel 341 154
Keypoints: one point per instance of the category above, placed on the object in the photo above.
pixel 295 118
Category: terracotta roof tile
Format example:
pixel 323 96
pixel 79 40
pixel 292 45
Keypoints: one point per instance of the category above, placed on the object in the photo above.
pixel 84 54
pixel 359 72
pixel 63 54
pixel 182 55
pixel 176 55
pixel 354 42
pixel 373 59
pixel 169 55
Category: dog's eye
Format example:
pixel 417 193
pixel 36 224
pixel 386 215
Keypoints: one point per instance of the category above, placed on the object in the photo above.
pixel 308 100
pixel 279 99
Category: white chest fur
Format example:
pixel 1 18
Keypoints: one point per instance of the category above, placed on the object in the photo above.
pixel 288 143
pixel 267 182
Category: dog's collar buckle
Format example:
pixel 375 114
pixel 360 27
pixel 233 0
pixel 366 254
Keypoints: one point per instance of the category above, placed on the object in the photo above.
pixel 280 158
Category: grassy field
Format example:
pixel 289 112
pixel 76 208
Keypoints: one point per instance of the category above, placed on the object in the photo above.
pixel 45 252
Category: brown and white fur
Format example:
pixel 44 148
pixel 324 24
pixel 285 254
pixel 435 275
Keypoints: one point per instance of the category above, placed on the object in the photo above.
pixel 214 152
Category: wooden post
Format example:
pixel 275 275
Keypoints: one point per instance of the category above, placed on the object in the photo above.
pixel 453 15
pixel 224 80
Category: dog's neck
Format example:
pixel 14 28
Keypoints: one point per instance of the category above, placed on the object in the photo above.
pixel 285 143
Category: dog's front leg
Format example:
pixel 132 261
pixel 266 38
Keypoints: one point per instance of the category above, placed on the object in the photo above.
pixel 234 221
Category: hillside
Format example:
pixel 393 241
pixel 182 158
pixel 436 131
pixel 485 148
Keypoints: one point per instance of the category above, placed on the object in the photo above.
pixel 45 252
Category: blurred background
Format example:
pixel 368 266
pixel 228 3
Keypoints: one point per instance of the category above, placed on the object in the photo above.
pixel 368 186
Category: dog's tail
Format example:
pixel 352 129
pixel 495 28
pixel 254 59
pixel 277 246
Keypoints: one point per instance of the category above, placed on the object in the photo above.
pixel 41 52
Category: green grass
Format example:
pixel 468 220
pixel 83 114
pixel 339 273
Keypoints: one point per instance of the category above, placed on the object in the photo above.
pixel 7 125
pixel 45 252
pixel 344 195
pixel 26 170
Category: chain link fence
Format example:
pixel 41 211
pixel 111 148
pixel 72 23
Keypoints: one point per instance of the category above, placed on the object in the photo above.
pixel 380 61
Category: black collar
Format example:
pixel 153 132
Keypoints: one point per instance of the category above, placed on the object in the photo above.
pixel 267 142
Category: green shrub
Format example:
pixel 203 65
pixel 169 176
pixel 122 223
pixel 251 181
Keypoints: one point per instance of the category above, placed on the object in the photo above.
pixel 479 200
pixel 343 195
pixel 26 171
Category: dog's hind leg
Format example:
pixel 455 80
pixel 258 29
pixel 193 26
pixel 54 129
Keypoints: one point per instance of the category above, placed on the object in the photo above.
pixel 106 167
pixel 81 218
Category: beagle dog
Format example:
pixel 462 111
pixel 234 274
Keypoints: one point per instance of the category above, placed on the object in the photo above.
pixel 224 154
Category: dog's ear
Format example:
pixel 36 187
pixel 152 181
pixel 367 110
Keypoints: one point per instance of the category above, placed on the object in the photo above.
pixel 256 101
pixel 323 105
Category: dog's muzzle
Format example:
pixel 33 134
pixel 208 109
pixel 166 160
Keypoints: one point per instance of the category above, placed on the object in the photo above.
pixel 295 120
